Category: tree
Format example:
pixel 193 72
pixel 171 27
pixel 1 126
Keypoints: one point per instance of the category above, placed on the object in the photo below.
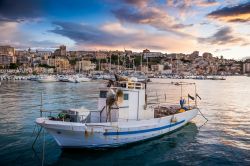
pixel 72 62
pixel 13 66
pixel 46 66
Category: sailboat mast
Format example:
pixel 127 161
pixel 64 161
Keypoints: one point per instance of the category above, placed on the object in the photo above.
pixel 118 62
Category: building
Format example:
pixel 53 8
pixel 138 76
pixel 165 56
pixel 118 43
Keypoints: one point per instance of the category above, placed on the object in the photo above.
pixel 84 65
pixel 6 60
pixel 246 66
pixel 7 50
pixel 142 68
pixel 7 56
pixel 61 51
pixel 43 54
pixel 23 60
pixel 207 55
pixel 100 55
pixel 157 68
pixel 146 51
pixel 152 55
pixel 61 64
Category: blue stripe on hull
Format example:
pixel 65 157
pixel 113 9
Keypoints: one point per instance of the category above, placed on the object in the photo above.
pixel 144 131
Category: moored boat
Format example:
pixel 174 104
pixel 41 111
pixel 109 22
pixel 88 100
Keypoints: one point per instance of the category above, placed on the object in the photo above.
pixel 123 116
pixel 46 79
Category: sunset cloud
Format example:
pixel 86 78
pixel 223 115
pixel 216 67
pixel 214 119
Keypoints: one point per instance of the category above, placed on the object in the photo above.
pixel 239 13
pixel 119 37
pixel 184 4
pixel 150 15
pixel 223 36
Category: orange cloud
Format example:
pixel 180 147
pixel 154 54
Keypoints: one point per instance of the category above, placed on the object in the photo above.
pixel 245 17
pixel 239 13
pixel 138 39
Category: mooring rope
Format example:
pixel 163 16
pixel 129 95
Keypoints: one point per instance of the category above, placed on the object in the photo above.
pixel 36 137
pixel 43 148
pixel 202 114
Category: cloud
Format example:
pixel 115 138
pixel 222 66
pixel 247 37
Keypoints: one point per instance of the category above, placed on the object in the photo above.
pixel 116 36
pixel 12 35
pixel 41 44
pixel 207 3
pixel 148 14
pixel 222 37
pixel 187 4
pixel 221 50
pixel 187 9
pixel 14 11
pixel 238 13
pixel 138 3
pixel 82 33
pixel 15 37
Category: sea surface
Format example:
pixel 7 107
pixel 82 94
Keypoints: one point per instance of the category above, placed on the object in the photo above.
pixel 223 140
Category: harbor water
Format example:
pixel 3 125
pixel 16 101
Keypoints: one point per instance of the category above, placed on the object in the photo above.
pixel 223 140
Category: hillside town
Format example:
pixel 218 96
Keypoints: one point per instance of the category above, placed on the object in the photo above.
pixel 61 61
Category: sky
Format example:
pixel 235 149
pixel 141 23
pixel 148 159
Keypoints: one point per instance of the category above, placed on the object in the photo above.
pixel 221 27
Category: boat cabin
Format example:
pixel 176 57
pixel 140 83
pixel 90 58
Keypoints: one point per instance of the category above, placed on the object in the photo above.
pixel 131 105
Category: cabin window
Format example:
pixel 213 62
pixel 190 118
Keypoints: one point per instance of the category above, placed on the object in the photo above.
pixel 103 94
pixel 125 96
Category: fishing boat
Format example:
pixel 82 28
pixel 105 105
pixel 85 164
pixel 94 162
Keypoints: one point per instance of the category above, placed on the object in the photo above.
pixel 124 116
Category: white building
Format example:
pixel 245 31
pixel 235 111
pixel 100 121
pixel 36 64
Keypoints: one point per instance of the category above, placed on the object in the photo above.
pixel 246 66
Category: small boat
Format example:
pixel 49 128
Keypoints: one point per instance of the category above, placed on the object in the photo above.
pixel 73 79
pixel 218 78
pixel 124 116
pixel 63 78
pixel 33 78
pixel 46 79
pixel 83 78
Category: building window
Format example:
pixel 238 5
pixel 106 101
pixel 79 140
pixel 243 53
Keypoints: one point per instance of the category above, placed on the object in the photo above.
pixel 103 94
pixel 125 96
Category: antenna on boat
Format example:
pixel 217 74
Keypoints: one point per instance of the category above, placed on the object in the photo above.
pixel 146 95
pixel 181 91
pixel 195 95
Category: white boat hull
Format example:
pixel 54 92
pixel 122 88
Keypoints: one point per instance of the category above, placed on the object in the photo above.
pixel 46 80
pixel 101 135
pixel 84 79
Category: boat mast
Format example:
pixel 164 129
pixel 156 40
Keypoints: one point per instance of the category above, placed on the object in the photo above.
pixel 118 62
pixel 147 64
pixel 195 95
pixel 141 61
pixel 110 63
pixel 99 65
pixel 181 91
pixel 79 67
